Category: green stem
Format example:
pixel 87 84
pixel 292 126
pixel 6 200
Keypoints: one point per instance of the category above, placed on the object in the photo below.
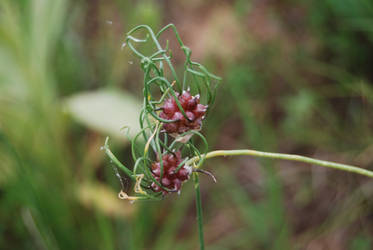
pixel 289 157
pixel 199 211
pixel 116 161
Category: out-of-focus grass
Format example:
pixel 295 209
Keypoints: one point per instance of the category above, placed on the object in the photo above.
pixel 296 80
pixel 41 154
pixel 37 195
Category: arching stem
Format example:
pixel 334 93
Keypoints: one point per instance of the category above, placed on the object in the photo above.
pixel 290 157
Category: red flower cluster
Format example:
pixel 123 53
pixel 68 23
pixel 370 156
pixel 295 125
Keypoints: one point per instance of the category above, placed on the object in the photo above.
pixel 170 179
pixel 193 110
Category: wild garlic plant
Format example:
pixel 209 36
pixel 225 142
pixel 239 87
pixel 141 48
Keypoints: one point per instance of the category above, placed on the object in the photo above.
pixel 171 118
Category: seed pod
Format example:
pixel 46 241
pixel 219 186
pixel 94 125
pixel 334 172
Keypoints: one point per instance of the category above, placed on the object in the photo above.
pixel 171 179
pixel 195 113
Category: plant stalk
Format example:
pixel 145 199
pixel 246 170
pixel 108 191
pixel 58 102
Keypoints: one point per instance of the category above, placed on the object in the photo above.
pixel 116 161
pixel 199 211
pixel 290 157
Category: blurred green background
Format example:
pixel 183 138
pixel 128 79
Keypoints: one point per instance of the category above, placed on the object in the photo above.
pixel 297 78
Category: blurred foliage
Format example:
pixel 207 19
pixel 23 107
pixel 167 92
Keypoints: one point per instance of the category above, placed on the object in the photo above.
pixel 297 79
pixel 106 111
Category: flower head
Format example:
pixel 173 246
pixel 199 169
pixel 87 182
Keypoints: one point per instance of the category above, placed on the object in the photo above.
pixel 172 177
pixel 194 111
